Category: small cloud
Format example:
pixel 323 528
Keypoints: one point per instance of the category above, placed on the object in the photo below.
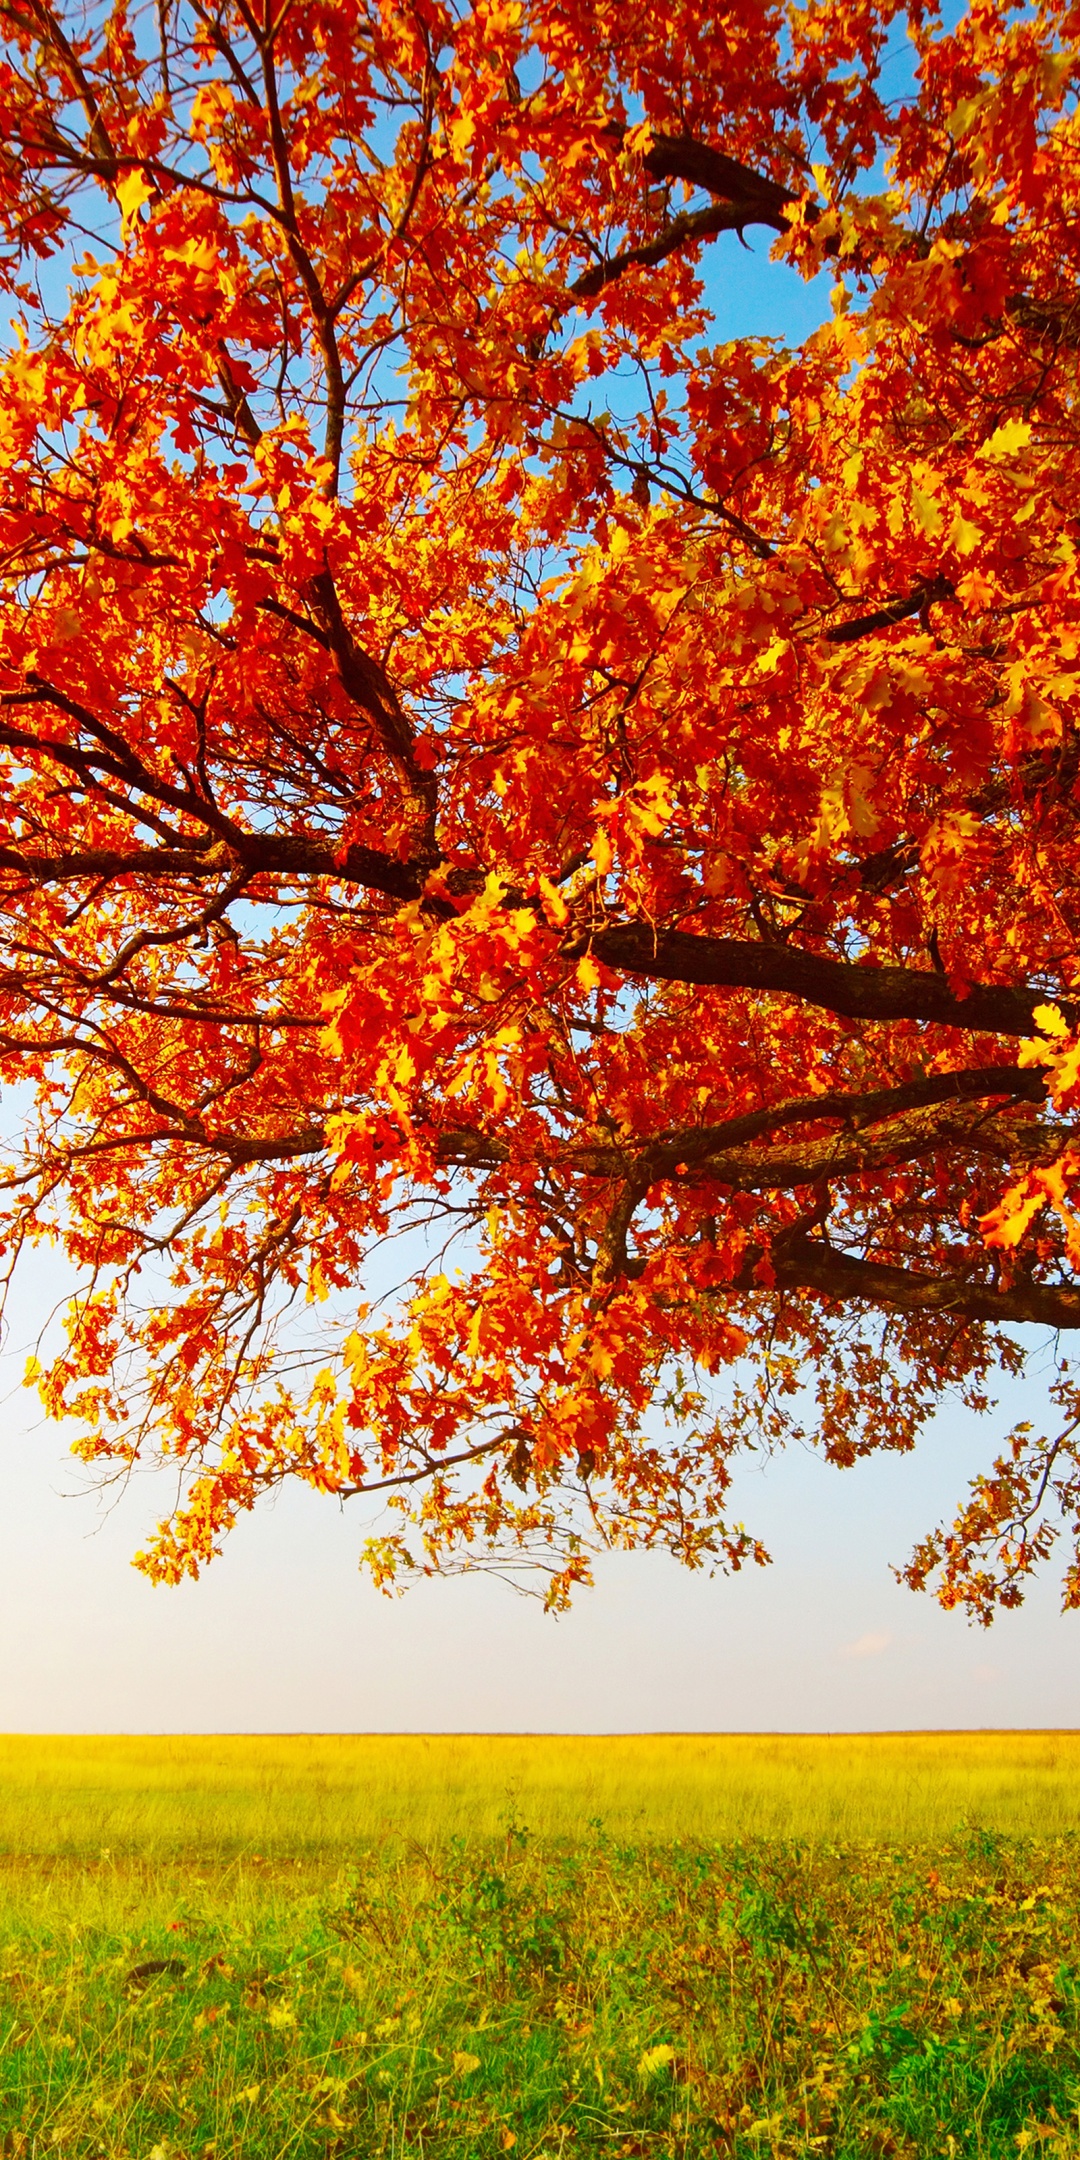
pixel 867 1646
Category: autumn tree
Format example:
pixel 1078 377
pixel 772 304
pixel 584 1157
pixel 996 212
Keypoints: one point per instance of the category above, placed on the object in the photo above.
pixel 510 797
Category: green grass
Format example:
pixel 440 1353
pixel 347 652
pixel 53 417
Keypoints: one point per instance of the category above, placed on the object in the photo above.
pixel 550 1986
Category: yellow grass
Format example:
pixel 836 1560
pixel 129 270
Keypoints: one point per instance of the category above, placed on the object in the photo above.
pixel 304 1795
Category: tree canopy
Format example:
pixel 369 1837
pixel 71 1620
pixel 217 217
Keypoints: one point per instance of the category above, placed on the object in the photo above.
pixel 510 795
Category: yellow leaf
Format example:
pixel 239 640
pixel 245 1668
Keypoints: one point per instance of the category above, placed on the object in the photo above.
pixel 588 974
pixel 774 653
pixel 862 816
pixel 460 132
pixel 198 254
pixel 464 2064
pixel 963 535
pixel 460 1079
pixel 1005 1225
pixel 1005 441
pixel 131 194
pixel 1050 1021
pixel 927 513
pixel 554 904
pixel 1041 723
pixel 964 114
pixel 209 105
pixel 949 840
pixel 1065 1073
pixel 654 2060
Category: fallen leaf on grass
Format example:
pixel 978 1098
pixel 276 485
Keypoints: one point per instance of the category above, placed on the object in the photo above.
pixel 654 2060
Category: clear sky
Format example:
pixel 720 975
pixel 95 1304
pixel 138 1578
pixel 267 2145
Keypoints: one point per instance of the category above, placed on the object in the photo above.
pixel 284 1635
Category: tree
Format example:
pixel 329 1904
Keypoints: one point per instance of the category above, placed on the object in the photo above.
pixel 488 765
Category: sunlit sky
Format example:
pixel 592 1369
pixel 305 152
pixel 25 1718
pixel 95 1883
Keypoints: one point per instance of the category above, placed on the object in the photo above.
pixel 283 1634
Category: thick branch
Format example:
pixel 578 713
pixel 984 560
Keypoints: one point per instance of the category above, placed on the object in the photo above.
pixel 369 686
pixel 892 1125
pixel 883 618
pixel 695 1146
pixel 679 157
pixel 811 1264
pixel 853 990
pixel 287 855
pixel 846 1154
pixel 741 197
pixel 698 1150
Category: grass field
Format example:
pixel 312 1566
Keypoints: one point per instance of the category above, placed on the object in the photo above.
pixel 320 1794
pixel 251 1949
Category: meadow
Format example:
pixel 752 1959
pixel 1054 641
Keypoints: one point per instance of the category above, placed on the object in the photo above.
pixel 248 1949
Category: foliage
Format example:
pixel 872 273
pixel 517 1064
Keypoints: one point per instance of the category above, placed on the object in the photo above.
pixel 489 763
pixel 547 1998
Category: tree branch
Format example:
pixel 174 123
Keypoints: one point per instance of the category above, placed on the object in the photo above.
pixel 883 1126
pixel 812 1264
pixel 883 618
pixel 434 1465
pixel 854 990
pixel 683 230
pixel 840 1155
pixel 288 855
pixel 741 197
pixel 695 1145
pixel 679 157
